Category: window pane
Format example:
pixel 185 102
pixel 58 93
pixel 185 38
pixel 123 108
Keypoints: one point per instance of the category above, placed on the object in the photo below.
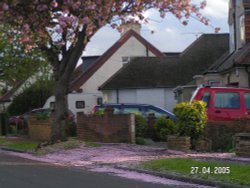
pixel 155 112
pixel 227 100
pixel 52 105
pixel 131 110
pixel 206 98
pixel 247 100
pixel 80 104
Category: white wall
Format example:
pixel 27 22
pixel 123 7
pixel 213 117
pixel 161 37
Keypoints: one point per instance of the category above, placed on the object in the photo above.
pixel 162 97
pixel 131 48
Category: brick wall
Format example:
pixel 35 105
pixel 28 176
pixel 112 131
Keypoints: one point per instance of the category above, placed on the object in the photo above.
pixel 222 133
pixel 242 144
pixel 39 129
pixel 247 28
pixel 106 128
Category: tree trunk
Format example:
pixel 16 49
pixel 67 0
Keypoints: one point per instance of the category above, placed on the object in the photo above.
pixel 61 112
pixel 63 72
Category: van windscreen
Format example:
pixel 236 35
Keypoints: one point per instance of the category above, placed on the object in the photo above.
pixel 206 98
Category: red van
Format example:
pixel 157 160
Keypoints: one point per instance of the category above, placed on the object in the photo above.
pixel 223 103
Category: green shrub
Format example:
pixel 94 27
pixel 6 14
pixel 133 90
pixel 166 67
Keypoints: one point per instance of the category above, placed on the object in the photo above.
pixel 143 141
pixel 71 129
pixel 99 113
pixel 42 115
pixel 33 97
pixel 141 126
pixel 164 127
pixel 140 141
pixel 191 118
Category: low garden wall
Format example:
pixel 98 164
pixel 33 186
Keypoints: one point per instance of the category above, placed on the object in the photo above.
pixel 242 144
pixel 222 134
pixel 179 143
pixel 39 129
pixel 106 128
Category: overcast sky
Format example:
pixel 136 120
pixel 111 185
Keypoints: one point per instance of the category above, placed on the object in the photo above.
pixel 169 34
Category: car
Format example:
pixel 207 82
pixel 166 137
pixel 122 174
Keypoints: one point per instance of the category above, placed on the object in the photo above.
pixel 22 119
pixel 144 109
pixel 224 103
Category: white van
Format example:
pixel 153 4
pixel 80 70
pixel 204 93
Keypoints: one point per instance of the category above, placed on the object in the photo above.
pixel 78 102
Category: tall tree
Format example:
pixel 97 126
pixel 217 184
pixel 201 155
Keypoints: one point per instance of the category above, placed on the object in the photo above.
pixel 16 63
pixel 63 28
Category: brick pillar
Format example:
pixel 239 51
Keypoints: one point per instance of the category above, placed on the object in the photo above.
pixel 131 124
pixel 109 111
pixel 151 123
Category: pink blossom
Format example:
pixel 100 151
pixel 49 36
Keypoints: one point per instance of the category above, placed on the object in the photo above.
pixel 59 30
pixel 54 4
pixel 5 7
pixel 85 20
pixel 42 7
pixel 217 30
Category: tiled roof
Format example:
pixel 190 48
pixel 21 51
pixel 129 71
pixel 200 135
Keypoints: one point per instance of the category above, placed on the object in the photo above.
pixel 148 72
pixel 227 61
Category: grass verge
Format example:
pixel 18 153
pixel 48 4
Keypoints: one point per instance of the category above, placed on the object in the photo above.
pixel 18 144
pixel 215 171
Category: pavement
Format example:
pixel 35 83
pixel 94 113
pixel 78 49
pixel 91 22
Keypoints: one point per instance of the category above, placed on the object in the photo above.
pixel 119 159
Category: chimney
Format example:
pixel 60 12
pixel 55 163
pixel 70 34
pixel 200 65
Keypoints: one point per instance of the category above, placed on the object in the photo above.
pixel 131 25
pixel 246 5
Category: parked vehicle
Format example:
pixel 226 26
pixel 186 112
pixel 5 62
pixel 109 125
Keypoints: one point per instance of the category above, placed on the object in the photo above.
pixel 224 103
pixel 22 119
pixel 144 109
pixel 78 102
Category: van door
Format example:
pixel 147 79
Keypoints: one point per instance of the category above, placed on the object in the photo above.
pixel 247 105
pixel 226 106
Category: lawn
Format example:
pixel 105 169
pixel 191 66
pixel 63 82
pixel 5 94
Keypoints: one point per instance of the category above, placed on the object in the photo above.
pixel 18 144
pixel 216 171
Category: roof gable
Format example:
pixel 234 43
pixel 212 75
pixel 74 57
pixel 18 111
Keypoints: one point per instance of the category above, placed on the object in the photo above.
pixel 78 82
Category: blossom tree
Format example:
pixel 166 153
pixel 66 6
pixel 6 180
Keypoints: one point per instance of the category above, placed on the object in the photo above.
pixel 63 28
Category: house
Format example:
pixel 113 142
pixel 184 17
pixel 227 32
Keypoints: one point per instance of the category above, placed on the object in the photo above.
pixel 18 88
pixel 232 69
pixel 95 70
pixel 151 80
pixel 91 75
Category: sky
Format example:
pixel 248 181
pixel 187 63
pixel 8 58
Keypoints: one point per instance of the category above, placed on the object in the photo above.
pixel 169 34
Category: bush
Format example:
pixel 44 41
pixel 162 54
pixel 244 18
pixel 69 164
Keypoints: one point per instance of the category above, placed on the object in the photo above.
pixel 164 127
pixel 33 97
pixel 70 129
pixel 141 126
pixel 143 141
pixel 99 113
pixel 191 118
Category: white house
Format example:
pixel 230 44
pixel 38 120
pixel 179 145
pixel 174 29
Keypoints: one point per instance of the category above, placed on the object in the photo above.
pixel 92 74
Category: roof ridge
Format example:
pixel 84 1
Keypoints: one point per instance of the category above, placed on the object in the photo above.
pixel 199 39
